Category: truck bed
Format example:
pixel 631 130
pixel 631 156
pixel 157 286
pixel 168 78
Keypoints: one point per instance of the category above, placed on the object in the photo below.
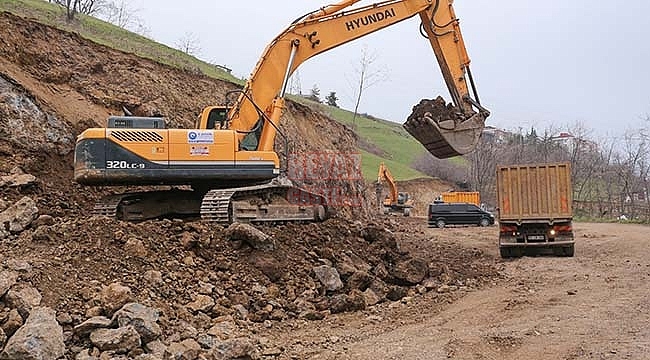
pixel 534 193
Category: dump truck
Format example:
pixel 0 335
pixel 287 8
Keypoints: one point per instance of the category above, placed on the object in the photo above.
pixel 534 205
pixel 470 197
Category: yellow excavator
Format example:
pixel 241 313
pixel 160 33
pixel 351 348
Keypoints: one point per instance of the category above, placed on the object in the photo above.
pixel 395 201
pixel 229 160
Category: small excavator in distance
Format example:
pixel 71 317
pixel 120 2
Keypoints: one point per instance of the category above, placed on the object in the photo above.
pixel 229 161
pixel 395 201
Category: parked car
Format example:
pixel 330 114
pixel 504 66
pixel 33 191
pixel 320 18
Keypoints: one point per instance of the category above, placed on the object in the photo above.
pixel 443 214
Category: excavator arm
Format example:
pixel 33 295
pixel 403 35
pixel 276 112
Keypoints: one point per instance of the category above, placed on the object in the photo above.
pixel 262 100
pixel 384 174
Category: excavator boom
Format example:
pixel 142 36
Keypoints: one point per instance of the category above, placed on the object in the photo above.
pixel 335 25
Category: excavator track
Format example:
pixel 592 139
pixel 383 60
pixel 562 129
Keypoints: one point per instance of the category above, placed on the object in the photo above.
pixel 256 204
pixel 108 206
pixel 242 205
pixel 215 206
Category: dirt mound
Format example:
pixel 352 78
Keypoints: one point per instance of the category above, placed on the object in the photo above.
pixel 436 109
pixel 423 191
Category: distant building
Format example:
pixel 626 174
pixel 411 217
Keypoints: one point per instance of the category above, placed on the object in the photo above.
pixel 569 140
pixel 492 133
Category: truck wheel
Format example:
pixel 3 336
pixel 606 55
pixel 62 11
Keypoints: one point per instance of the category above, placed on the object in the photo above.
pixel 440 223
pixel 569 250
pixel 505 253
pixel 407 212
pixel 484 222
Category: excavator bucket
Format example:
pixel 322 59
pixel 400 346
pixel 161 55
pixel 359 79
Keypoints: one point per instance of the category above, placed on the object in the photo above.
pixel 443 129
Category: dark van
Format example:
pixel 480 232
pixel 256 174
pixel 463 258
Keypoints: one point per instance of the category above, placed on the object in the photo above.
pixel 442 214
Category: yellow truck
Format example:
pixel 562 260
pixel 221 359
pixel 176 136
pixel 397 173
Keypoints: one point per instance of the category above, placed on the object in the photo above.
pixel 470 197
pixel 534 203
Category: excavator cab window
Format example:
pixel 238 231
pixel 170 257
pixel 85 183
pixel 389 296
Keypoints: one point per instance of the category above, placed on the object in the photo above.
pixel 216 116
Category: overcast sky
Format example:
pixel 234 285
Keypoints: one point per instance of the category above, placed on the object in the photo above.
pixel 536 63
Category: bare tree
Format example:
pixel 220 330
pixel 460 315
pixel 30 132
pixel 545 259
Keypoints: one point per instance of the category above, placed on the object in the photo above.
pixel 442 169
pixel 366 75
pixel 122 14
pixel 88 7
pixel 482 168
pixel 189 44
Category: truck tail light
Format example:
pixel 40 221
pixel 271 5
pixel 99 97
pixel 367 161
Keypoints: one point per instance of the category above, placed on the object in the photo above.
pixel 504 229
pixel 560 229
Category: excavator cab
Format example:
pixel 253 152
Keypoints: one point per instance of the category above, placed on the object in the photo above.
pixel 402 198
pixel 213 117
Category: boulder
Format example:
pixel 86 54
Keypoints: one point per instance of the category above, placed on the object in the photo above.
pixel 329 277
pixel 238 348
pixel 92 324
pixel 13 323
pixel 410 272
pixel 40 338
pixel 187 349
pixel 7 280
pixel 18 216
pixel 251 235
pixel 347 302
pixel 23 299
pixel 120 340
pixel 203 303
pixel 114 296
pixel 17 180
pixel 144 319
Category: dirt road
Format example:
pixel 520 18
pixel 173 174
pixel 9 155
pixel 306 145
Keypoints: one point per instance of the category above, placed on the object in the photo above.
pixel 593 306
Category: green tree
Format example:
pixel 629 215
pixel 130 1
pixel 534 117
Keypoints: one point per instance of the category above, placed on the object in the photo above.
pixel 331 99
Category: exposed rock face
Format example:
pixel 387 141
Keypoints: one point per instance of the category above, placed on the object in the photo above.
pixel 40 338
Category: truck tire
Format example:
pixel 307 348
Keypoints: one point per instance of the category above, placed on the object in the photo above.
pixel 484 222
pixel 569 250
pixel 440 223
pixel 407 211
pixel 505 253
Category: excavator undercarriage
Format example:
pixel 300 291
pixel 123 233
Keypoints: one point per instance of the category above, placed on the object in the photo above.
pixel 257 204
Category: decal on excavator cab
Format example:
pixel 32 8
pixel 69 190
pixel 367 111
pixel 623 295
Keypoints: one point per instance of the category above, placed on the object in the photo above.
pixel 200 137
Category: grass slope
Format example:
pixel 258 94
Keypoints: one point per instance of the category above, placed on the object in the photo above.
pixel 383 140
pixel 112 36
